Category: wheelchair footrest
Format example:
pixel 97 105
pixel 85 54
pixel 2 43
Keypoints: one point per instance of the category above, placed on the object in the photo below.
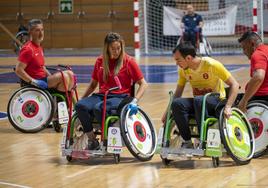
pixel 165 152
pixel 83 154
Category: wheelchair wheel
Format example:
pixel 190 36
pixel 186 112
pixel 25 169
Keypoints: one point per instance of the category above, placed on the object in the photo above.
pixel 117 158
pixel 30 109
pixel 69 158
pixel 175 140
pixel 57 127
pixel 23 37
pixel 237 137
pixel 138 134
pixel 215 161
pixel 257 113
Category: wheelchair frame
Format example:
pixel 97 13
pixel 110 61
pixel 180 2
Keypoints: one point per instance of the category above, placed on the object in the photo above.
pixel 68 137
pixel 208 146
pixel 67 98
pixel 205 49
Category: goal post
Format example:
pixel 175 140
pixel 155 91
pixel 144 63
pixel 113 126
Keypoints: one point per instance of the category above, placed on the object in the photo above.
pixel 224 22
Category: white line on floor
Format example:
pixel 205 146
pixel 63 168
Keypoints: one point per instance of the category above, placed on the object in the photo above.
pixel 81 172
pixel 14 185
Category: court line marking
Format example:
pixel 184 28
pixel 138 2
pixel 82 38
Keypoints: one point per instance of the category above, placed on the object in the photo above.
pixel 238 69
pixel 14 185
pixel 82 172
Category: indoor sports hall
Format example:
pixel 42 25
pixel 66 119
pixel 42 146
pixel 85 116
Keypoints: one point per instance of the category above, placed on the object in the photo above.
pixel 74 32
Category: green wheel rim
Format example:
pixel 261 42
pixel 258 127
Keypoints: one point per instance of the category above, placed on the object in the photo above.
pixel 237 136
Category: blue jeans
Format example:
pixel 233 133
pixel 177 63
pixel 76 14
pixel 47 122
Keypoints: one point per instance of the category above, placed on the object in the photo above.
pixel 182 108
pixel 91 107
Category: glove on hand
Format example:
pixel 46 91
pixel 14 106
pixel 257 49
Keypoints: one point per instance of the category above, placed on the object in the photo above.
pixel 133 107
pixel 39 83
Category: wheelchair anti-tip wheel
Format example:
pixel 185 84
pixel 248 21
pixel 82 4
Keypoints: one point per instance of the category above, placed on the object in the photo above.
pixel 30 109
pixel 138 134
pixel 237 137
pixel 257 114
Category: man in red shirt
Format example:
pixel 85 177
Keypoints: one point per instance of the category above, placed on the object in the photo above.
pixel 31 66
pixel 257 52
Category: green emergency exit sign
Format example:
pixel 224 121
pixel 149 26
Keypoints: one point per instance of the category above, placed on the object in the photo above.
pixel 65 6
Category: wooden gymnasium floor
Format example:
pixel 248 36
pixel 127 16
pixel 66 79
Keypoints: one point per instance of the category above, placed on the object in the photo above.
pixel 34 160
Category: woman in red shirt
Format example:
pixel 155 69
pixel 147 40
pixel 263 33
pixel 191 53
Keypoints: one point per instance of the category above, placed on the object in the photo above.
pixel 113 68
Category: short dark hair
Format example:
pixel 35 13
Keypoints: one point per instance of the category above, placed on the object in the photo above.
pixel 249 35
pixel 34 22
pixel 185 48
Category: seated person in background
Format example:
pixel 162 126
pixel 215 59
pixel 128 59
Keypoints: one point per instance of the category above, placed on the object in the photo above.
pixel 112 67
pixel 205 75
pixel 257 53
pixel 192 24
pixel 31 63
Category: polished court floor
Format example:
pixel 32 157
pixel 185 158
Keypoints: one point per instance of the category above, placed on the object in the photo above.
pixel 34 160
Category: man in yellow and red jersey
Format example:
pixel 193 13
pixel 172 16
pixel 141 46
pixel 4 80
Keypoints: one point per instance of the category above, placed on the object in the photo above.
pixel 205 75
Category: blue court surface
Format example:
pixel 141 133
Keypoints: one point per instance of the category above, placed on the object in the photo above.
pixel 152 73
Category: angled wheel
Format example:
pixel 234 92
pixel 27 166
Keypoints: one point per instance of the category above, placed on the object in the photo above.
pixel 76 134
pixel 30 109
pixel 237 137
pixel 175 140
pixel 260 153
pixel 138 134
pixel 23 37
pixel 257 113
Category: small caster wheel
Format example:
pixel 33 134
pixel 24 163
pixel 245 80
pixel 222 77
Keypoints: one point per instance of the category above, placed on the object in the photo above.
pixel 116 158
pixel 166 161
pixel 69 158
pixel 215 161
pixel 57 127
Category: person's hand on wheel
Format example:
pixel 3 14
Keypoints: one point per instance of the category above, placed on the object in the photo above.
pixel 133 107
pixel 39 83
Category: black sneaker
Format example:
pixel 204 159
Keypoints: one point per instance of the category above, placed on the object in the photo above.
pixel 93 144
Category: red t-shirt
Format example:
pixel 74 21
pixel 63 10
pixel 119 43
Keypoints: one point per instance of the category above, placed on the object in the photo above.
pixel 32 55
pixel 129 73
pixel 259 60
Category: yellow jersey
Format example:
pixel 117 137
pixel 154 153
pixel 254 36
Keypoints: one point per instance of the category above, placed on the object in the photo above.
pixel 208 77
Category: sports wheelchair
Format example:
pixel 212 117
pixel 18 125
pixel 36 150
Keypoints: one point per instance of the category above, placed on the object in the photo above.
pixel 257 113
pixel 203 46
pixel 234 134
pixel 137 131
pixel 23 37
pixel 31 109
